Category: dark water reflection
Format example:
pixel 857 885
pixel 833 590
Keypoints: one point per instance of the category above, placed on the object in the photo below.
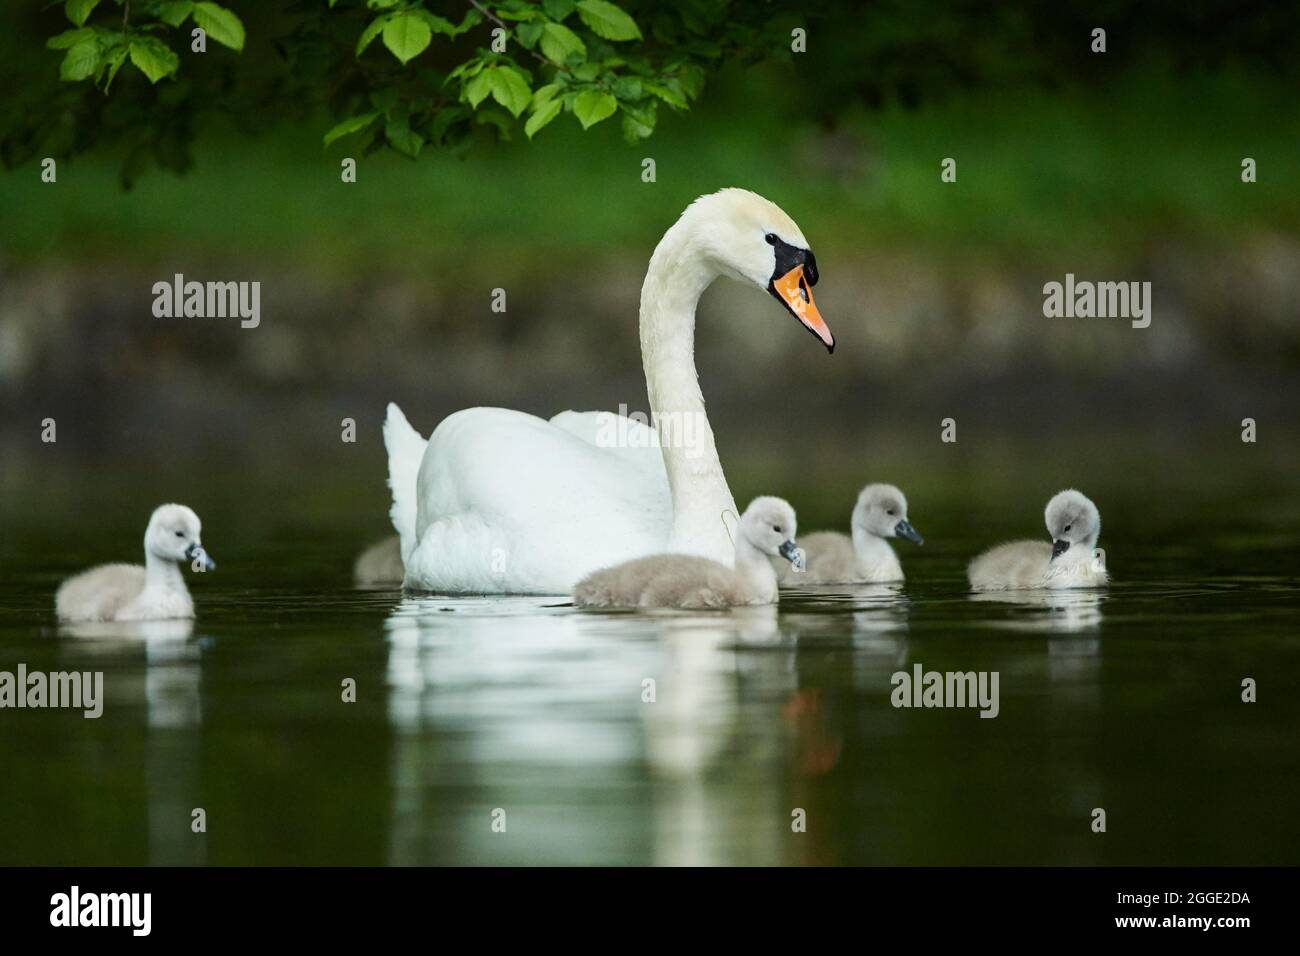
pixel 1127 699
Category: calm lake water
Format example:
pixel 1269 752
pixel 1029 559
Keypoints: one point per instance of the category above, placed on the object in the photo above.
pixel 1127 699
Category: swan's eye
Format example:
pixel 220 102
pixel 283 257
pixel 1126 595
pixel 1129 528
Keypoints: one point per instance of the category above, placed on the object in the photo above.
pixel 890 512
pixel 180 534
pixel 776 528
pixel 1067 527
pixel 771 238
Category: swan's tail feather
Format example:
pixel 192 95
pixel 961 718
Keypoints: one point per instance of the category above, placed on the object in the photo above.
pixel 405 452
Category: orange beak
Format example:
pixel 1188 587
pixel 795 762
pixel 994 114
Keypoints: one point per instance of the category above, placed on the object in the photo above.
pixel 793 290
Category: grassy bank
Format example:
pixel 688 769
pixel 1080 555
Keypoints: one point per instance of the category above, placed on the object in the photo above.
pixel 1105 172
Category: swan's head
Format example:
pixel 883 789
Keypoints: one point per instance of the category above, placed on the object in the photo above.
pixel 173 535
pixel 750 238
pixel 769 525
pixel 882 510
pixel 1073 522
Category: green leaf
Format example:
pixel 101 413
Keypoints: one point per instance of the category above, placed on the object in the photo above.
pixel 608 21
pixel 477 89
pixel 436 23
pixel 79 10
pixel 510 89
pixel 470 67
pixel 546 113
pixel 220 24
pixel 68 38
pixel 543 94
pixel 173 14
pixel 491 116
pixel 639 121
pixel 406 35
pixel 402 138
pixel 558 9
pixel 592 106
pixel 153 58
pixel 353 124
pixel 692 79
pixel 112 63
pixel 369 33
pixel 627 88
pixel 81 60
pixel 558 41
pixel 468 22
pixel 523 13
pixel 644 113
pixel 669 95
pixel 528 34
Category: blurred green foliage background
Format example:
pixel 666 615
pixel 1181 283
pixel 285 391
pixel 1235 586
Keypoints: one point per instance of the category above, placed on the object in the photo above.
pixel 1117 166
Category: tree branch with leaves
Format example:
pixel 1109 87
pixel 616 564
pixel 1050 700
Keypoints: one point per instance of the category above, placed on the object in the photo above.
pixel 400 74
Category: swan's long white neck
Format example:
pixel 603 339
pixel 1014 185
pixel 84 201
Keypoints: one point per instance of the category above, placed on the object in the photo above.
pixel 161 574
pixel 755 568
pixel 870 548
pixel 703 508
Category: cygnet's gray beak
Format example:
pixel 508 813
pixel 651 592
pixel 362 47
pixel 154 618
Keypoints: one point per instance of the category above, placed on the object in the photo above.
pixel 905 530
pixel 198 558
pixel 794 554
pixel 1059 548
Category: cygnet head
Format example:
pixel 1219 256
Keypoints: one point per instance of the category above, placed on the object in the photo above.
pixel 1073 522
pixel 769 525
pixel 882 510
pixel 173 535
pixel 747 237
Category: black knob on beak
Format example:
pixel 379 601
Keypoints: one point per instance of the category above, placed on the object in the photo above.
pixel 810 267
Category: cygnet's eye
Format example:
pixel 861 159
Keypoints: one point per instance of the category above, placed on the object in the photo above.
pixel 890 512
pixel 1067 527
pixel 776 528
pixel 180 534
pixel 771 238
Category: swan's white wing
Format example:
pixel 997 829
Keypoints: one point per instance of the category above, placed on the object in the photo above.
pixel 508 502
pixel 584 425
pixel 634 440
pixel 1016 564
pixel 405 452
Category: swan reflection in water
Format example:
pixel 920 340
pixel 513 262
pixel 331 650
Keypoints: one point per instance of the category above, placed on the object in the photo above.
pixel 162 656
pixel 1073 661
pixel 170 664
pixel 879 613
pixel 556 717
pixel 1071 611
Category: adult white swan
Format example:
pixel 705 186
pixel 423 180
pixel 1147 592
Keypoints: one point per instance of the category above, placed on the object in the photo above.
pixel 497 501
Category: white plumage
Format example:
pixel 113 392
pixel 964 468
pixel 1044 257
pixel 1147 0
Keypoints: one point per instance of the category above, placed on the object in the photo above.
pixel 1070 561
pixel 766 530
pixel 497 501
pixel 128 592
pixel 864 558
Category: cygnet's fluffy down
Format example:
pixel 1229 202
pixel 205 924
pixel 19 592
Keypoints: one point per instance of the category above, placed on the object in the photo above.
pixel 866 557
pixel 766 528
pixel 1072 560
pixel 380 564
pixel 129 592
